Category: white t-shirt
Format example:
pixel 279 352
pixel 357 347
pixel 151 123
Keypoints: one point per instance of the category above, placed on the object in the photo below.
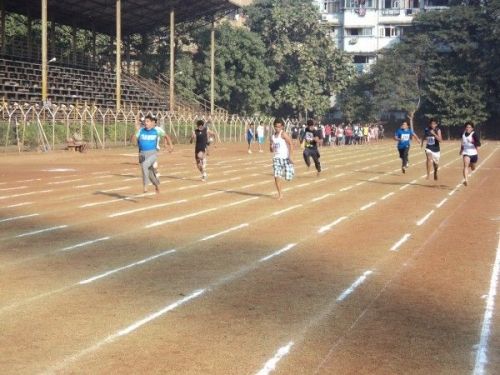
pixel 280 147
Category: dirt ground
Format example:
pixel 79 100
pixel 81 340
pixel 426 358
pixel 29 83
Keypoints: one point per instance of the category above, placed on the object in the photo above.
pixel 361 270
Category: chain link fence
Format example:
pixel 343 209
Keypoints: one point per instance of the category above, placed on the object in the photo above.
pixel 37 128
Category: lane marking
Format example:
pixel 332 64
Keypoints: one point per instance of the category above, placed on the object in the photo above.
pixel 18 218
pixel 20 204
pixel 122 213
pixel 240 202
pixel 367 206
pixel 178 218
pixel 225 232
pixel 270 365
pixel 116 200
pixel 25 194
pixel 387 196
pixel 41 231
pixel 441 203
pixel 322 197
pixel 64 182
pixel 424 219
pixel 276 253
pixel 331 225
pixel 84 244
pixel 404 186
pixel 304 184
pixel 14 188
pixel 111 272
pixel 400 242
pixel 354 285
pixel 346 188
pixel 286 210
pixel 482 351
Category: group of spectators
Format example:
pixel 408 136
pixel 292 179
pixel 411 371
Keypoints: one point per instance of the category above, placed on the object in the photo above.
pixel 342 134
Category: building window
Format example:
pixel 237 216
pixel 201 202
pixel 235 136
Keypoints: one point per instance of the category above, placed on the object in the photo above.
pixel 358 59
pixel 358 3
pixel 331 6
pixel 359 31
pixel 391 31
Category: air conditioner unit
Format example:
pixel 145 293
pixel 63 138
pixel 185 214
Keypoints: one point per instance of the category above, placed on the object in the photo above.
pixel 353 41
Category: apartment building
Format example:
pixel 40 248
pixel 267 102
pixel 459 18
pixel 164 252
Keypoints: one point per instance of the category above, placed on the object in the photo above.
pixel 363 27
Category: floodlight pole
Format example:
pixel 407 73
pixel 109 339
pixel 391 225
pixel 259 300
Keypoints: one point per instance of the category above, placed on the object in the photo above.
pixel 212 68
pixel 2 6
pixel 118 68
pixel 45 64
pixel 172 60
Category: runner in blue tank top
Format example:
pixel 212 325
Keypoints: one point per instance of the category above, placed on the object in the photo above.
pixel 404 135
pixel 148 138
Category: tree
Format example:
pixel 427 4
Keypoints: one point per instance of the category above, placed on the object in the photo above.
pixel 456 99
pixel 242 76
pixel 309 69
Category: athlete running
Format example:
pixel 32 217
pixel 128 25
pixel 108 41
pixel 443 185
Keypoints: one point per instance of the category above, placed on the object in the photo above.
pixel 201 135
pixel 468 150
pixel 432 136
pixel 281 145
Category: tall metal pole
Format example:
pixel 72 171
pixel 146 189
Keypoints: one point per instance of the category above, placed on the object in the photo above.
pixel 44 51
pixel 172 61
pixel 212 68
pixel 118 68
pixel 2 6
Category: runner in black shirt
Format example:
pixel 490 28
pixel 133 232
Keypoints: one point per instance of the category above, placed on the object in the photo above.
pixel 200 135
pixel 311 139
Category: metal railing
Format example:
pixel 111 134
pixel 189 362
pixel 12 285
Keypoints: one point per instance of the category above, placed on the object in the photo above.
pixel 34 127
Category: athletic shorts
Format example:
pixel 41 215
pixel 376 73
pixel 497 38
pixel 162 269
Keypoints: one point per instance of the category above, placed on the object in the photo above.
pixel 435 155
pixel 473 158
pixel 283 169
pixel 261 140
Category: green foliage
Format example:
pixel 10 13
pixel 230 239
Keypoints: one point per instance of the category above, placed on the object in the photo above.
pixel 446 66
pixel 242 77
pixel 308 67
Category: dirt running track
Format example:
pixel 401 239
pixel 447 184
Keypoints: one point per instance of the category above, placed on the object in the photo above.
pixel 362 270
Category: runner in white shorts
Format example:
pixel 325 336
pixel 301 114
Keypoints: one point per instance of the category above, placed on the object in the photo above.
pixel 281 146
pixel 432 137
pixel 468 149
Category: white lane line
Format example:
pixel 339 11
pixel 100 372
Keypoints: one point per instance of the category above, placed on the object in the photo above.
pixel 387 196
pixel 360 183
pixel 19 204
pixel 89 185
pixel 41 231
pixel 339 175
pixel 64 182
pixel 320 180
pixel 404 186
pixel 18 218
pixel 424 219
pixel 374 178
pixel 101 177
pixel 115 189
pixel 240 202
pixel 285 249
pixel 110 272
pixel 271 364
pixel 130 179
pixel 24 194
pixel 122 213
pixel 482 347
pixel 179 218
pixel 125 331
pixel 396 246
pixel 218 181
pixel 116 200
pixel 346 188
pixel 304 184
pixel 354 285
pixel 159 313
pixel 31 180
pixel 286 210
pixel 441 203
pixel 14 188
pixel 322 197
pixel 212 194
pixel 367 206
pixel 331 225
pixel 225 232
pixel 82 244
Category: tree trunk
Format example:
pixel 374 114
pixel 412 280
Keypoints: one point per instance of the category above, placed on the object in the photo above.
pixel 411 115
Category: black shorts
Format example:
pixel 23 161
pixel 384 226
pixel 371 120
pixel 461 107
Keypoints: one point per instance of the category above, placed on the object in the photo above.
pixel 473 158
